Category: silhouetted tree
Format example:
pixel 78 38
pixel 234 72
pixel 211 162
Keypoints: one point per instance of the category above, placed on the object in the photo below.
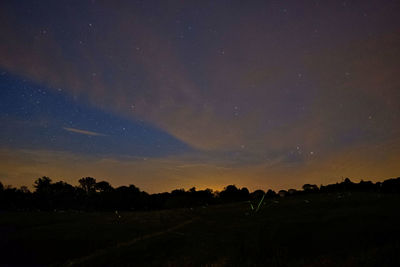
pixel 24 189
pixel 13 198
pixel 206 196
pixel 366 186
pixel 102 196
pixel 310 188
pixel 257 194
pixel 201 197
pixel 378 187
pixel 88 184
pixel 270 193
pixel 103 186
pixel 244 193
pixel 391 185
pixel 42 185
pixel 348 185
pixel 292 192
pixel 232 193
pixel 178 192
pixel 129 197
pixel 42 196
pixel 229 193
pixel 282 193
pixel 64 195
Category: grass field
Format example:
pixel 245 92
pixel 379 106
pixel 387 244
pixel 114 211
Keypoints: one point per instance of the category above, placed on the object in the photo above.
pixel 358 229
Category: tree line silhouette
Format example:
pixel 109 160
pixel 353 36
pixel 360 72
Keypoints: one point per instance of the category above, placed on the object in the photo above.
pixel 91 195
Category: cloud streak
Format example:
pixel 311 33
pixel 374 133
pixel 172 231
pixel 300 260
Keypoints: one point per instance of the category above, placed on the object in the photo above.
pixel 85 132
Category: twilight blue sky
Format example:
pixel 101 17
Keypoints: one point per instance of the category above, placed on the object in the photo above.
pixel 37 117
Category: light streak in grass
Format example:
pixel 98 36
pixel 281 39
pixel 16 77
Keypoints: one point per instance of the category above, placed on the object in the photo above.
pixel 259 204
pixel 251 205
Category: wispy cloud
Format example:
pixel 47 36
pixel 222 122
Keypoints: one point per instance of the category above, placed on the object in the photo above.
pixel 83 132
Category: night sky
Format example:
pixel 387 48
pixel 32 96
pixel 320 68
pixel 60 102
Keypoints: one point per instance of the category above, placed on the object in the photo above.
pixel 175 94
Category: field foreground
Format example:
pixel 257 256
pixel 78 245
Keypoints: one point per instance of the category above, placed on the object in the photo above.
pixel 349 229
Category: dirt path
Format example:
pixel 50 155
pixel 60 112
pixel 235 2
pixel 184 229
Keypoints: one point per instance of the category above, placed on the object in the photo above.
pixel 126 243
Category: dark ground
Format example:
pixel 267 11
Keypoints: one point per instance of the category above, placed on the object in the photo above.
pixel 349 229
